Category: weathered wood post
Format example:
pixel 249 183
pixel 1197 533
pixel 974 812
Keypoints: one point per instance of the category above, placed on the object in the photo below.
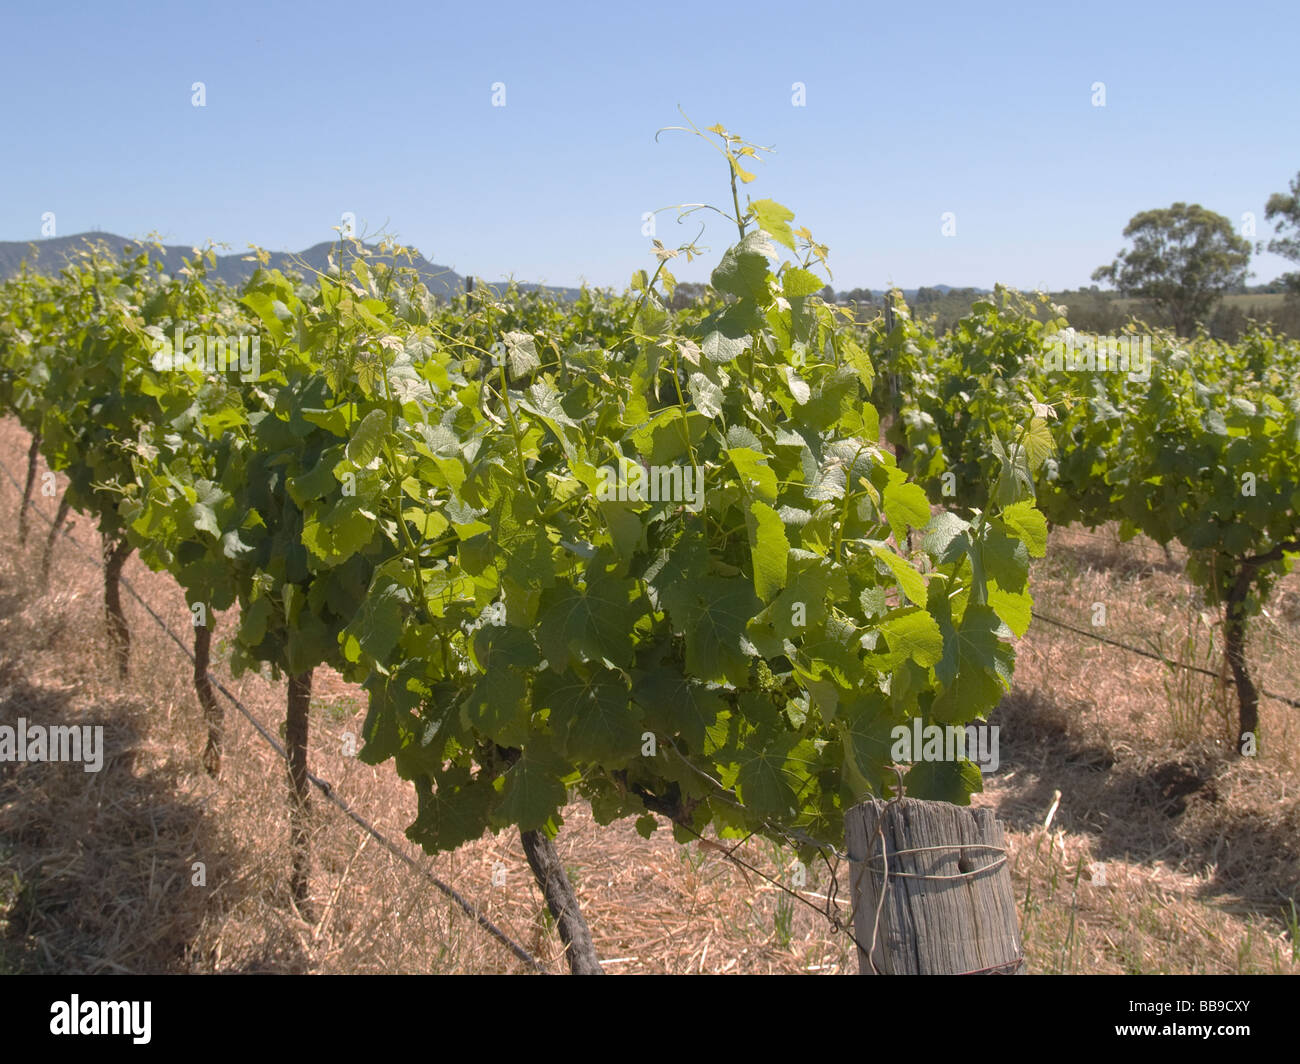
pixel 948 903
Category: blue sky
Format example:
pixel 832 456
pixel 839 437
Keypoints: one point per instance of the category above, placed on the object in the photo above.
pixel 385 110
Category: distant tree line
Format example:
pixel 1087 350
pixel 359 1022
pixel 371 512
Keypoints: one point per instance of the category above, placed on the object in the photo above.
pixel 1186 267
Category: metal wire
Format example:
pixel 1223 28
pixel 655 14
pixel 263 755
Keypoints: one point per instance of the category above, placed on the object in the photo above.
pixel 324 786
pixel 1155 657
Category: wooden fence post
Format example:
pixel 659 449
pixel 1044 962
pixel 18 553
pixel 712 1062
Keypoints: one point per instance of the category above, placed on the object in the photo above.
pixel 949 906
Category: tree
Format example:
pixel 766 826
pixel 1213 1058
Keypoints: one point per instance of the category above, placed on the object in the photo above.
pixel 856 295
pixel 828 294
pixel 1286 209
pixel 1182 260
pixel 686 294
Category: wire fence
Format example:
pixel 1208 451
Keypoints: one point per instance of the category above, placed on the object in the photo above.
pixel 1177 555
pixel 324 786
pixel 830 911
pixel 1156 657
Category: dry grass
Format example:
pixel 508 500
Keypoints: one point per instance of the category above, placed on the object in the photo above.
pixel 1201 851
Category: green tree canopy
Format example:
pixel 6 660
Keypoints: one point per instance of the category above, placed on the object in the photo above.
pixel 857 295
pixel 1286 210
pixel 1182 260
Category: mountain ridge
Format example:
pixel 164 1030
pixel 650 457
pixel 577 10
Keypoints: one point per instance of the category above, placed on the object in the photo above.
pixel 233 267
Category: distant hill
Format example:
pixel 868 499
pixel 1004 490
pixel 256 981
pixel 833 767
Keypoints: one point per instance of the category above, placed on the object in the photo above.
pixel 235 268
pixel 51 254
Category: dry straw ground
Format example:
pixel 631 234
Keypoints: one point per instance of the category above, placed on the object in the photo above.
pixel 1164 855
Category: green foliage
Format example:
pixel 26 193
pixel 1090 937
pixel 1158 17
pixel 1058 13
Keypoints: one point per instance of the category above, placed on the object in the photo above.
pixel 420 497
pixel 1182 441
pixel 1283 209
pixel 1183 258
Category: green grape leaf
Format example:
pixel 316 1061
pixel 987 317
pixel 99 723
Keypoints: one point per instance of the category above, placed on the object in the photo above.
pixel 797 283
pixel 865 724
pixel 758 476
pixel 673 703
pixel 717 347
pixel 705 394
pixel 453 814
pixel 771 550
pixel 593 719
pixel 909 579
pixel 912 632
pixel 774 220
pixel 669 435
pixel 1029 525
pixel 1015 608
pixel 743 270
pixel 589 625
pixel 367 439
pixel 713 613
pixel 532 793
pixel 905 505
pixel 974 668
pixel 377 625
pixel 944 781
pixel 521 353
pixel 764 785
